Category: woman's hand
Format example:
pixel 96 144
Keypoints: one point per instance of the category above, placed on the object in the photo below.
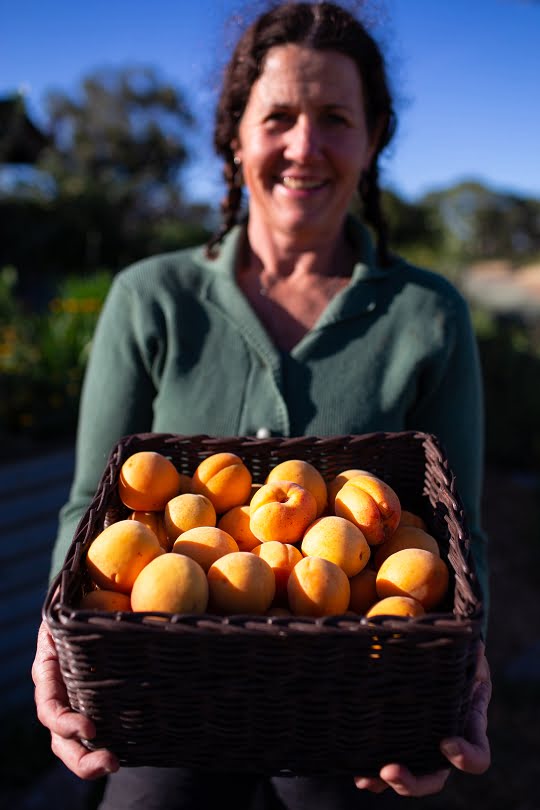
pixel 470 753
pixel 66 727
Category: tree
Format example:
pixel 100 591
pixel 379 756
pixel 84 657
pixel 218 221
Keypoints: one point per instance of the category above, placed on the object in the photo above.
pixel 118 154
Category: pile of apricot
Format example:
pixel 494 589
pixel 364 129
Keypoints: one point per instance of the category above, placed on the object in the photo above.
pixel 293 544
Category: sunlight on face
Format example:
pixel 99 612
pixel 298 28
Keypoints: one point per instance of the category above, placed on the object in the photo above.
pixel 303 141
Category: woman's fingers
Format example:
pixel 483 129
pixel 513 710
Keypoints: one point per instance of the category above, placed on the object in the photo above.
pixel 472 753
pixel 66 727
pixel 83 763
pixel 50 694
pixel 403 782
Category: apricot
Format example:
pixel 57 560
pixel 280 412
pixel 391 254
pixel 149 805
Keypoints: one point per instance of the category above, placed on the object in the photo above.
pixel 339 481
pixel 172 583
pixel 396 606
pixel 204 544
pixel 303 473
pixel 372 505
pixel 241 582
pixel 224 479
pixel 186 512
pixel 338 540
pixel 236 523
pixel 414 572
pixel 318 587
pixel 105 600
pixel 119 553
pixel 412 519
pixel 154 521
pixel 363 591
pixel 147 481
pixel 282 511
pixel 281 557
pixel 405 537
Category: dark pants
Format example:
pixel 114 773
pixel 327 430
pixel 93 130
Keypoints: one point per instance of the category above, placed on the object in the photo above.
pixel 181 789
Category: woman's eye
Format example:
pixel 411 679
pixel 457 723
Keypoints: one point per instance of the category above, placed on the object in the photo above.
pixel 336 118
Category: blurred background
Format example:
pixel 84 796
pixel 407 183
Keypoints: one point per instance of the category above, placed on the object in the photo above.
pixel 106 113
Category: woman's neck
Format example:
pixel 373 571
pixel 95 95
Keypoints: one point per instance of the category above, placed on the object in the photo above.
pixel 277 256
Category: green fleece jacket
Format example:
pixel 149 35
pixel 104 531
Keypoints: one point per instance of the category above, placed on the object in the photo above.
pixel 179 349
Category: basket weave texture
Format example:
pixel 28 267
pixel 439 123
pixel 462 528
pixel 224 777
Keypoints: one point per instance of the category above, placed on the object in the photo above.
pixel 277 695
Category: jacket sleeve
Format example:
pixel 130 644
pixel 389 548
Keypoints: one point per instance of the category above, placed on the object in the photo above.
pixel 451 407
pixel 116 399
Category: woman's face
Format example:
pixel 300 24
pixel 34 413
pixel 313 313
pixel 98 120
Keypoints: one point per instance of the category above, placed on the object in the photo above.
pixel 303 142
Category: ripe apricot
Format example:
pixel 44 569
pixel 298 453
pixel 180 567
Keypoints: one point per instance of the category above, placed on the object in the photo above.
pixel 281 557
pixel 186 512
pixel 172 583
pixel 414 572
pixel 224 479
pixel 396 606
pixel 282 511
pixel 318 587
pixel 363 591
pixel 118 554
pixel 372 505
pixel 241 582
pixel 405 537
pixel 302 472
pixel 338 540
pixel 411 519
pixel 236 523
pixel 339 481
pixel 154 521
pixel 105 600
pixel 147 481
pixel 205 544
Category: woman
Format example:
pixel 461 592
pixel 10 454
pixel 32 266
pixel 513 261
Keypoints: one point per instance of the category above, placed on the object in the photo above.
pixel 288 323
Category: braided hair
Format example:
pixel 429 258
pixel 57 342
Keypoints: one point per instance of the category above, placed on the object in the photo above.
pixel 321 26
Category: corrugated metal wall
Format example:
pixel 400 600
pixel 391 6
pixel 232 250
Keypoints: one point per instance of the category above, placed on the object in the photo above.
pixel 31 494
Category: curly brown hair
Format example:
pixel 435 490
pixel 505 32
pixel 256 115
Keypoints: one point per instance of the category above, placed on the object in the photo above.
pixel 321 26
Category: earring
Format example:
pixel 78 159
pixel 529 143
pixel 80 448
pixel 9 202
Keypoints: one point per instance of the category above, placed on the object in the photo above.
pixel 238 175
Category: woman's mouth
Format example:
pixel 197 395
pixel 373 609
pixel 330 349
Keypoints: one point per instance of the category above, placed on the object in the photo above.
pixel 301 183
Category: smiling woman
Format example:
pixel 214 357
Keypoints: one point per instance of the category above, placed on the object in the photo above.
pixel 290 322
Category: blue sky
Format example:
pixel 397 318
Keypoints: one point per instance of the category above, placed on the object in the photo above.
pixel 466 74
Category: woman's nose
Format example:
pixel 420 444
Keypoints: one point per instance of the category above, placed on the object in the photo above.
pixel 303 140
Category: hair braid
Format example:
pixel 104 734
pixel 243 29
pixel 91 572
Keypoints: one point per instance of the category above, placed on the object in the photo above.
pixel 230 205
pixel 370 194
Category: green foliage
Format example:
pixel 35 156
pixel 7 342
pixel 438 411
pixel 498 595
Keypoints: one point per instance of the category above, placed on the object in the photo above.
pixel 510 358
pixel 43 355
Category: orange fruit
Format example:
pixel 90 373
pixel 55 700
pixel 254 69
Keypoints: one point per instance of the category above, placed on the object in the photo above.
pixel 306 475
pixel 147 481
pixel 205 544
pixel 281 557
pixel 187 511
pixel 105 600
pixel 405 537
pixel 172 583
pixel 119 553
pixel 318 587
pixel 363 591
pixel 241 582
pixel 414 572
pixel 154 521
pixel 338 540
pixel 224 479
pixel 396 606
pixel 236 523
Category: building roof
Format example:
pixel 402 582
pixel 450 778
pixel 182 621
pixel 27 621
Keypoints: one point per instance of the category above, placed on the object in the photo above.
pixel 20 140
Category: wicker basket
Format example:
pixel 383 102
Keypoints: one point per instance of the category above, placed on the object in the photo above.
pixel 281 695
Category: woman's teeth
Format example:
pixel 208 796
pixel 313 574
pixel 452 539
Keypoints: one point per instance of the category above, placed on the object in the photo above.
pixel 297 183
